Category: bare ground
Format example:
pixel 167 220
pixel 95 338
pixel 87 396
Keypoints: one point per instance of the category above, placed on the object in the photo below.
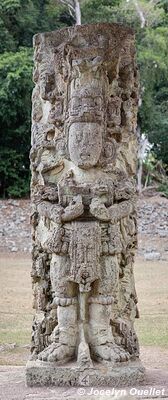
pixel 12 387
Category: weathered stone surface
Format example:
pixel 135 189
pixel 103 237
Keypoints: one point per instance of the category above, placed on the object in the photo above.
pixel 152 255
pixel 15 233
pixel 40 373
pixel 83 161
pixel 153 217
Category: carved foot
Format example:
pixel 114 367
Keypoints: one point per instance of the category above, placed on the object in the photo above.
pixel 57 352
pixel 33 356
pixel 110 352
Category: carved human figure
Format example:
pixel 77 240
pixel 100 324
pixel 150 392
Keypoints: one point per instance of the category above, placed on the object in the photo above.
pixel 84 203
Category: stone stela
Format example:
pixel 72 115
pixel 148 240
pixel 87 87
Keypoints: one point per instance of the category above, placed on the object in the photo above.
pixel 83 163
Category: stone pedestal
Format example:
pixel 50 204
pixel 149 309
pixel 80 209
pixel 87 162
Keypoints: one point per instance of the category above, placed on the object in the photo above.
pixel 42 374
pixel 83 162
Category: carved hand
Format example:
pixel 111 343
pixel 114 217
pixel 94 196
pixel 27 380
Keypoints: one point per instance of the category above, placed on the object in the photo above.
pixel 74 210
pixel 51 211
pixel 121 210
pixel 99 210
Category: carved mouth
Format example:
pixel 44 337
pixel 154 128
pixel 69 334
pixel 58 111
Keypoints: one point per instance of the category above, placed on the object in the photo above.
pixel 103 191
pixel 84 156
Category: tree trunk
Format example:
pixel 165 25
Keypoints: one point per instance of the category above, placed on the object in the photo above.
pixel 77 12
pixel 139 177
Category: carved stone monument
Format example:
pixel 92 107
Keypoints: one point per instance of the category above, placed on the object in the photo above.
pixel 83 161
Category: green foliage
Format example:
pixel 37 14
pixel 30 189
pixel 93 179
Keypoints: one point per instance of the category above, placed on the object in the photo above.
pixel 148 168
pixel 14 176
pixel 19 20
pixel 163 188
pixel 154 171
pixel 153 62
pixel 122 11
pixel 15 108
pixel 99 10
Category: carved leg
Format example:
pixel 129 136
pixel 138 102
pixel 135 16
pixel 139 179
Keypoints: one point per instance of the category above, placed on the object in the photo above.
pixel 102 310
pixel 64 348
pixel 64 336
pixel 101 340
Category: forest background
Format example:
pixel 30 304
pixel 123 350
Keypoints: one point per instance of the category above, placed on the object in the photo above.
pixel 20 20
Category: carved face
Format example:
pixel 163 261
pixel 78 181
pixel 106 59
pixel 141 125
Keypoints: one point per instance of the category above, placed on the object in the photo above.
pixel 85 144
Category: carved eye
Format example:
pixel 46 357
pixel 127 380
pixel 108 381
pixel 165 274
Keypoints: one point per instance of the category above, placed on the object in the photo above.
pixel 110 150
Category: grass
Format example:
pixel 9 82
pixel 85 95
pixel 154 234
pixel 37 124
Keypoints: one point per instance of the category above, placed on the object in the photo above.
pixel 15 302
pixel 16 305
pixel 151 283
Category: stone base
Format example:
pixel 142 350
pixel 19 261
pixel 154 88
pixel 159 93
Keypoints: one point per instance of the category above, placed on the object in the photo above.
pixel 46 373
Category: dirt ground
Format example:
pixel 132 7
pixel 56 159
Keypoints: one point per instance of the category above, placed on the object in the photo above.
pixel 16 317
pixel 12 387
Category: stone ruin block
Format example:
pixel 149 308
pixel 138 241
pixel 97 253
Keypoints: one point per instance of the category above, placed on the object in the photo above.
pixel 83 162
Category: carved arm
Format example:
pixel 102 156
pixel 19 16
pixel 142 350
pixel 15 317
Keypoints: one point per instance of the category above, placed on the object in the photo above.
pixel 58 214
pixel 121 210
pixel 51 211
pixel 113 213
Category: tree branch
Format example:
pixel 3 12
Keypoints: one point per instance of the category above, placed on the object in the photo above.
pixel 67 3
pixel 140 13
pixel 74 9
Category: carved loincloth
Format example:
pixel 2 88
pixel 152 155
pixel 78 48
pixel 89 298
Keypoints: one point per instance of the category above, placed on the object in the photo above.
pixel 84 252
